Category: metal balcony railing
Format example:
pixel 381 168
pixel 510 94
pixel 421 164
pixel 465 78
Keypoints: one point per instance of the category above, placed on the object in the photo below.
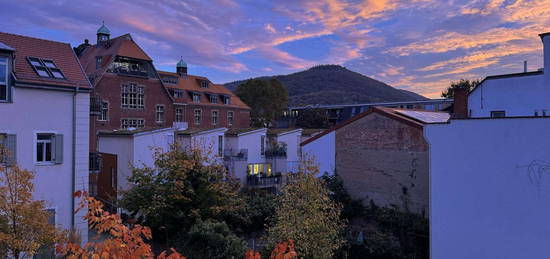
pixel 233 154
pixel 253 180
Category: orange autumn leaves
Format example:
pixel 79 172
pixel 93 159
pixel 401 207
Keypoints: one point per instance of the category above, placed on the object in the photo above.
pixel 284 250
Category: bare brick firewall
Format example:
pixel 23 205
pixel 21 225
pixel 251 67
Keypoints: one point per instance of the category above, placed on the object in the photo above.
pixel 384 160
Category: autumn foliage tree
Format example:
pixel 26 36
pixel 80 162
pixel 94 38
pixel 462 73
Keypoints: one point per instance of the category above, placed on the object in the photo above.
pixel 24 227
pixel 183 188
pixel 306 214
pixel 119 240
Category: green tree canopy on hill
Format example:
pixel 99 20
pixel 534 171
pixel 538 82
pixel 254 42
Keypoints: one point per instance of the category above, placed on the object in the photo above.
pixel 462 84
pixel 267 99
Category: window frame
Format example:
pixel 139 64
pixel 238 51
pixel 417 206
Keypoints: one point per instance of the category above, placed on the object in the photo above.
pixel 104 113
pixel 213 98
pixel 53 149
pixel 197 120
pixel 198 99
pixel 42 66
pixel 217 117
pixel 230 121
pixel 129 125
pixel 160 114
pixel 178 117
pixel 204 84
pixel 494 114
pixel 132 96
pixel 227 100
pixel 6 83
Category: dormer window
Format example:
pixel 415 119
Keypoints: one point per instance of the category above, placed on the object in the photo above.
pixel 4 78
pixel 98 62
pixel 204 84
pixel 46 68
pixel 213 98
pixel 196 97
pixel 227 100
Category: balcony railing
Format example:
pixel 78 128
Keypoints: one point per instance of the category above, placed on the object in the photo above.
pixel 276 152
pixel 242 154
pixel 259 181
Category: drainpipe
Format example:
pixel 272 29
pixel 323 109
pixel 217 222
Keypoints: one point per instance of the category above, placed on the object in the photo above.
pixel 73 176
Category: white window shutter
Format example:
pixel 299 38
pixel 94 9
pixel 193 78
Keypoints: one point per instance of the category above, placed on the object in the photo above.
pixel 11 146
pixel 59 148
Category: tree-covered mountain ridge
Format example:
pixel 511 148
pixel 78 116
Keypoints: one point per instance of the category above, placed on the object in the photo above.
pixel 334 84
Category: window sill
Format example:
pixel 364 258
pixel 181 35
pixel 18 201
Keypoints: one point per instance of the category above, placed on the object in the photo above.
pixel 44 163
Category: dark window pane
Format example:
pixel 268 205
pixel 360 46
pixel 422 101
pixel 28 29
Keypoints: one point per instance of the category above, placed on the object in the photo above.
pixel 44 136
pixel 48 152
pixel 40 152
pixel 3 68
pixel 3 93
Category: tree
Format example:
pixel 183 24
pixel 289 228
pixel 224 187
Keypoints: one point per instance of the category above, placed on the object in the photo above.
pixel 119 240
pixel 211 239
pixel 306 214
pixel 267 100
pixel 184 187
pixel 462 84
pixel 24 224
pixel 350 208
pixel 312 119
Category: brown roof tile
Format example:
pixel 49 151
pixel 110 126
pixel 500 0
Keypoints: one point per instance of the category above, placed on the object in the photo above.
pixel 191 83
pixel 60 53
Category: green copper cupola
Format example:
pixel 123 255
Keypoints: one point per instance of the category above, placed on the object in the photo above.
pixel 103 33
pixel 181 67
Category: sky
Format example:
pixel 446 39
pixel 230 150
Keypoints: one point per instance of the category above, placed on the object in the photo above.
pixel 417 45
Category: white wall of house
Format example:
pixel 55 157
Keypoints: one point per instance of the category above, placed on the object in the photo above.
pixel 489 188
pixel 49 111
pixel 136 150
pixel 207 141
pixel 323 152
pixel 252 141
pixel 517 96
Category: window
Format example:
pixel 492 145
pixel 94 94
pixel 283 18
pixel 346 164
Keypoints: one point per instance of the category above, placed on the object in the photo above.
pixel 229 118
pixel 204 84
pixel 255 169
pixel 262 148
pixel 213 98
pixel 46 68
pixel 4 78
pixel 179 114
pixel 104 114
pixel 178 94
pixel 498 114
pixel 98 62
pixel 220 145
pixel 196 97
pixel 227 100
pixel 132 123
pixel 49 148
pixel 160 113
pixel 215 116
pixel 198 114
pixel 133 96
pixel 7 148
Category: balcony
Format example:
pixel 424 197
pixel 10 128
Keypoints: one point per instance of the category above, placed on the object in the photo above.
pixel 263 181
pixel 276 150
pixel 231 154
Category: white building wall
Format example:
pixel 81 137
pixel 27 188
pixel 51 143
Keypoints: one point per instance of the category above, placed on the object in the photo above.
pixel 123 147
pixel 323 152
pixel 47 111
pixel 252 142
pixel 517 96
pixel 489 188
pixel 147 143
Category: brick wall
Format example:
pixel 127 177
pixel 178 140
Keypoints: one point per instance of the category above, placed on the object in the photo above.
pixel 385 160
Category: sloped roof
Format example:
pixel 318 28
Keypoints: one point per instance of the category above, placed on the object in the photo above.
pixel 191 83
pixel 414 118
pixel 60 53
pixel 122 45
pixel 238 131
pixel 199 131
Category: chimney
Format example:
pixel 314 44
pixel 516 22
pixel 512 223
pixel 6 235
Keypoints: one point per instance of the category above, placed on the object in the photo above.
pixel 460 103
pixel 525 66
pixel 545 37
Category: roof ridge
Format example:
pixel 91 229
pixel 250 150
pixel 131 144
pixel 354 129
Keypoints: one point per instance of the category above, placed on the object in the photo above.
pixel 30 37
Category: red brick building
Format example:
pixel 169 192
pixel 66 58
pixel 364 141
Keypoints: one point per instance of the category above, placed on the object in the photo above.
pixel 130 93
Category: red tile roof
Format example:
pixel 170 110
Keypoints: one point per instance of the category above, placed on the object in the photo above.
pixel 60 53
pixel 120 46
pixel 191 83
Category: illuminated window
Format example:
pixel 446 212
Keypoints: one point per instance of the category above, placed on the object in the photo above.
pixel 259 169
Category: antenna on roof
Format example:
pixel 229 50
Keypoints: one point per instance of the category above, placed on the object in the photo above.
pixel 525 66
